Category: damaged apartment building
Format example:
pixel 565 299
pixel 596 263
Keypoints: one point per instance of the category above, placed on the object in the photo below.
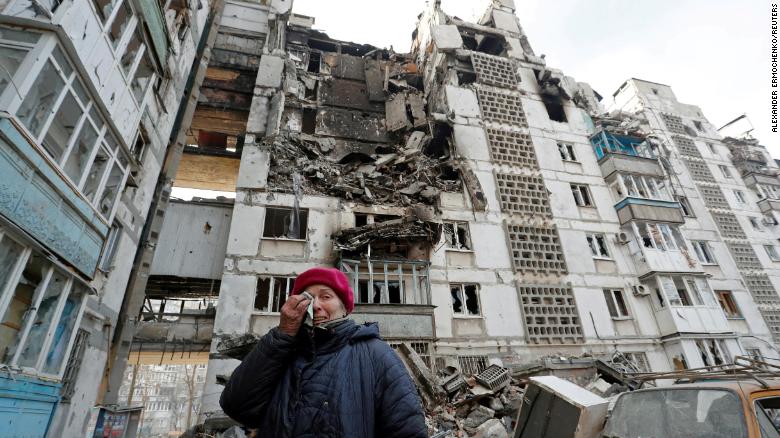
pixel 90 96
pixel 486 207
pixel 183 162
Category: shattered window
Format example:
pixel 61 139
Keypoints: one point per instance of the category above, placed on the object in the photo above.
pixel 62 127
pixel 616 303
pixel 62 334
pixel 111 190
pixel 104 8
pixel 465 299
pixel 768 416
pixel 131 51
pixel 598 245
pixel 581 195
pixel 10 59
pixel 119 23
pixel 40 100
pixel 95 175
pixel 677 412
pixel 686 207
pixel 285 223
pixel 142 78
pixel 78 159
pixel 43 318
pixel 272 292
pixel 566 151
pixel 456 235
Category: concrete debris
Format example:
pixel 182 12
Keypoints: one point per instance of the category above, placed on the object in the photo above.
pixel 238 347
pixel 492 428
pixel 369 173
pixel 406 229
pixel 429 388
pixel 234 432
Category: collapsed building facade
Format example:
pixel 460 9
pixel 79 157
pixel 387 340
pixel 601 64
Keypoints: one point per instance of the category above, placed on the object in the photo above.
pixel 487 208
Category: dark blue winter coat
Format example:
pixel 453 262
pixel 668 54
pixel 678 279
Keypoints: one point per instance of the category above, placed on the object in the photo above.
pixel 342 382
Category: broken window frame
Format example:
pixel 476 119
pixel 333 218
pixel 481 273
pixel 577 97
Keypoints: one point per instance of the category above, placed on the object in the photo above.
pixel 703 252
pixel 106 263
pixel 685 206
pixel 639 360
pixel 599 249
pixel 451 233
pixel 642 186
pixel 59 322
pixel 49 54
pixel 275 299
pixel 412 277
pixel 617 303
pixel 687 291
pixel 17 40
pixel 582 196
pixel 768 191
pixel 754 223
pixel 659 236
pixel 303 233
pixel 566 150
pixel 728 304
pixel 458 291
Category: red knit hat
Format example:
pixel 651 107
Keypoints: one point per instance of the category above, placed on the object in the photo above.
pixel 331 277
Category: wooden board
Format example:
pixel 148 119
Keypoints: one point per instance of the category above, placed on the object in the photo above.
pixel 217 120
pixel 207 172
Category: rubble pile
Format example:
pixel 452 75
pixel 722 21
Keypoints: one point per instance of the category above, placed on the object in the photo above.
pixel 409 229
pixel 474 408
pixel 390 174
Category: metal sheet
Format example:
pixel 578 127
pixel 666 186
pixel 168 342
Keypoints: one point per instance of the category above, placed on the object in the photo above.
pixel 193 240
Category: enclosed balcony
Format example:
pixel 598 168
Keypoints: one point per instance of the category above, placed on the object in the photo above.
pixel 658 247
pixel 643 198
pixel 624 153
pixel 685 304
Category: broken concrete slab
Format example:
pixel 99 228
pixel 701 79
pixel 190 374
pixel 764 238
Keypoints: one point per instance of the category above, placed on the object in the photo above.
pixel 462 101
pixel 478 416
pixel 506 21
pixel 269 73
pixel 408 229
pixel 492 428
pixel 447 37
pixel 237 347
pixel 432 393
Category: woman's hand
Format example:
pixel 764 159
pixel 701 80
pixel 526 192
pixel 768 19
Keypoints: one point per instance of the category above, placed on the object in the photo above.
pixel 292 313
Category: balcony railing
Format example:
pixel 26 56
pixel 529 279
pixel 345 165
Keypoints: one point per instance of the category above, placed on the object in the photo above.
pixel 605 143
pixel 388 281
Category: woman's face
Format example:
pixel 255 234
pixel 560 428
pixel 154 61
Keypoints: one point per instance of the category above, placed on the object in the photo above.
pixel 327 304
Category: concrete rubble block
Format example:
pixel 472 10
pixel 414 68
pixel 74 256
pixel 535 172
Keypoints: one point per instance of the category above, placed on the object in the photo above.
pixel 253 172
pixel 237 347
pixel 269 73
pixel 462 101
pixel 478 416
pixel 432 393
pixel 492 428
pixel 447 37
pixel 506 21
pixel 234 432
pixel 250 219
pixel 471 142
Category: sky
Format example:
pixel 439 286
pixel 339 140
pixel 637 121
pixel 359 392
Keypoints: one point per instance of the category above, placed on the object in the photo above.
pixel 713 53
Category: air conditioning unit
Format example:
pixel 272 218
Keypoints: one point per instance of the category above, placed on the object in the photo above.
pixel 640 290
pixel 622 238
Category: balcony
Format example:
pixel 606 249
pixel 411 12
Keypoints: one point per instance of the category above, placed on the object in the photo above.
pixel 641 209
pixel 658 247
pixel 768 205
pixel 395 293
pixel 685 304
pixel 622 153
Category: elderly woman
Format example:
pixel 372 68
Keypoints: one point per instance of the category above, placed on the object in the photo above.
pixel 333 379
